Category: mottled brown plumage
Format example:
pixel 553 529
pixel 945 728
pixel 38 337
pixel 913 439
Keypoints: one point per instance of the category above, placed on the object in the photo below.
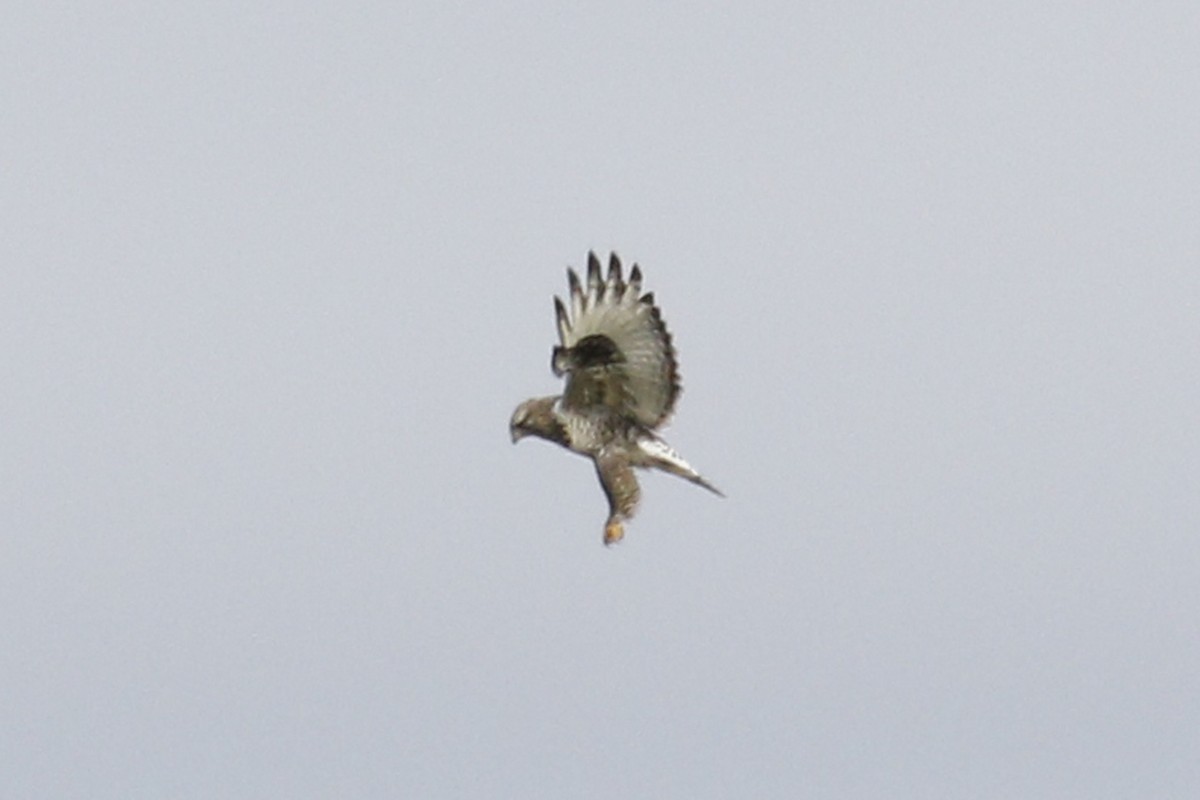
pixel 622 385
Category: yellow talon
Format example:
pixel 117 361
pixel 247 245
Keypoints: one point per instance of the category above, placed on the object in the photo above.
pixel 614 532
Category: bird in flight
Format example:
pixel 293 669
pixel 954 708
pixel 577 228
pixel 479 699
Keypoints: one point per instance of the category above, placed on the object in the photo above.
pixel 622 383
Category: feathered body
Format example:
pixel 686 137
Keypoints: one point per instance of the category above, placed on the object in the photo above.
pixel 622 385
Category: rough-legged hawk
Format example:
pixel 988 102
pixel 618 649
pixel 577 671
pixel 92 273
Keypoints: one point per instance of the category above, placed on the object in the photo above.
pixel 622 383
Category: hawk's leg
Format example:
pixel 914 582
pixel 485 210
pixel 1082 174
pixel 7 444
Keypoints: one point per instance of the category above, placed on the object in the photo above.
pixel 620 486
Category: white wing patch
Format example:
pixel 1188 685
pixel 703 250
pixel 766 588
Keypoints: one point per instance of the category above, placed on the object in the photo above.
pixel 662 454
pixel 657 453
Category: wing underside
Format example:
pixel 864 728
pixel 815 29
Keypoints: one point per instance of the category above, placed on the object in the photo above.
pixel 615 349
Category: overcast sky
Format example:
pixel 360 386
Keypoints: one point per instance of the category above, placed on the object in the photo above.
pixel 274 279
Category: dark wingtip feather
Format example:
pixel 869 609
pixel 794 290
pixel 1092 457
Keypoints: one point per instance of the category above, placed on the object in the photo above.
pixel 614 269
pixel 573 282
pixel 648 298
pixel 635 276
pixel 594 283
pixel 560 315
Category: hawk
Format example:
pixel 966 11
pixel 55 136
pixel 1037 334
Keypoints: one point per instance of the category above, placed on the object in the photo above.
pixel 622 385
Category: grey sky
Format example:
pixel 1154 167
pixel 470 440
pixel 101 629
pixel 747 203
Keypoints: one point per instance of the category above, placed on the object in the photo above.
pixel 274 280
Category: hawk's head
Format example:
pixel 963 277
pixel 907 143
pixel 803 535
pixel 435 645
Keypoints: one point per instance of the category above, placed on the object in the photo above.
pixel 536 417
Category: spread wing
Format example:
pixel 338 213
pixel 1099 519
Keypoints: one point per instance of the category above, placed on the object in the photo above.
pixel 616 352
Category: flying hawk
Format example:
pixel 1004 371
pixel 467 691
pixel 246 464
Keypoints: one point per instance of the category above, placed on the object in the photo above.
pixel 622 384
